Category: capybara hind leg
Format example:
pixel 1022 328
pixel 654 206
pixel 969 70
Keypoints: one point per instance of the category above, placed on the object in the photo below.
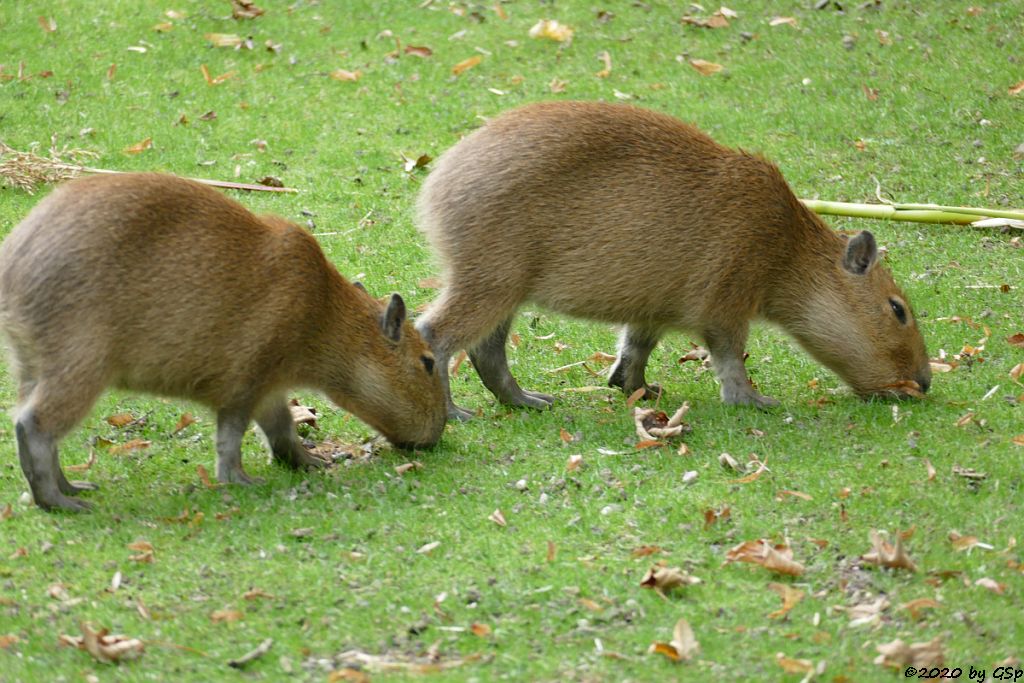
pixel 231 426
pixel 457 319
pixel 491 364
pixel 37 453
pixel 726 349
pixel 635 347
pixel 275 420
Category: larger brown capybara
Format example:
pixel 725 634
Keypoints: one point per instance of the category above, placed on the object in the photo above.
pixel 619 214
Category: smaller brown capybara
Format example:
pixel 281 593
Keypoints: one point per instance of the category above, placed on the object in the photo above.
pixel 154 283
pixel 624 215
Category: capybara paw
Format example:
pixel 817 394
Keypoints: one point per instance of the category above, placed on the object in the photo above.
pixel 73 488
pixel 238 476
pixel 62 502
pixel 534 399
pixel 460 414
pixel 748 396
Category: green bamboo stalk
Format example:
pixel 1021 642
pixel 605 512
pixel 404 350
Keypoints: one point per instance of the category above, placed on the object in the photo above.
pixel 989 213
pixel 890 212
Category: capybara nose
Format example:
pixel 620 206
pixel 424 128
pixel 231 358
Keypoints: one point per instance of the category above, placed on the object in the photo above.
pixel 924 381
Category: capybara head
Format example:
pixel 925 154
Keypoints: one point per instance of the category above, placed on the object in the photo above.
pixel 396 387
pixel 857 322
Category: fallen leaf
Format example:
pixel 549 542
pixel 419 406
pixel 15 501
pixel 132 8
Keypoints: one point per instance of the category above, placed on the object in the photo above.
pixel 466 64
pixel 412 164
pixel 405 467
pixel 645 550
pixel 223 39
pixel 915 607
pixel 346 75
pixel 965 420
pixel 779 21
pixel 139 147
pixel 47 24
pixel 163 27
pixel 704 67
pixel 428 547
pixel 244 9
pixel 302 414
pixel 1016 89
pixel 1016 371
pixel 418 51
pixel 1018 440
pixel 120 419
pixel 7 640
pixel 129 446
pixel 684 645
pixel 251 656
pixel 498 518
pixel 777 558
pixel 552 552
pixel 457 363
pixel 606 58
pixel 226 615
pixel 575 462
pixel 885 554
pixel 635 396
pixel 866 613
pixel 1018 338
pixel 930 469
pixel 254 593
pixel 215 80
pixel 184 421
pixel 783 494
pixel 480 630
pixel 711 516
pixel 962 543
pixel 790 597
pixel 86 465
pixel 794 666
pixel 104 647
pixel 661 579
pixel 8 511
pixel 204 477
pixel 897 654
pixel 990 584
pixel 551 30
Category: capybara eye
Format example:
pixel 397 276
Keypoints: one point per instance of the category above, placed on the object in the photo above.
pixel 428 364
pixel 898 311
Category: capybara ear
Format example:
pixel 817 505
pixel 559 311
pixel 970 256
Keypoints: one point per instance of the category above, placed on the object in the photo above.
pixel 861 253
pixel 394 316
pixel 359 285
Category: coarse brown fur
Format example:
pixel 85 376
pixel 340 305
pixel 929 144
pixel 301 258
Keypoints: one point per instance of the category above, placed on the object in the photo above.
pixel 154 283
pixel 628 216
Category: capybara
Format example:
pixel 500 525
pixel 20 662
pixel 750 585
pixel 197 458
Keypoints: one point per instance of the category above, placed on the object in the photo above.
pixel 624 215
pixel 154 283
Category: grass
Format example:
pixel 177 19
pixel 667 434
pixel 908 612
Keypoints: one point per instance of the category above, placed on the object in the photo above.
pixel 942 129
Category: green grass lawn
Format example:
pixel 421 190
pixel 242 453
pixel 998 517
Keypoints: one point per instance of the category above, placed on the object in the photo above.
pixel 915 95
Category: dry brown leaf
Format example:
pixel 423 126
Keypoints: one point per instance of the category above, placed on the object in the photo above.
pixel 255 593
pixel 346 75
pixel 1018 440
pixel 777 558
pixel 244 9
pixel 606 59
pixel 7 640
pixel 915 607
pixel 7 512
pixel 779 21
pixel 120 419
pixel 790 597
pixel 405 467
pixel 662 579
pixel 711 515
pixel 965 419
pixel 47 24
pixel 897 654
pixel 552 552
pixel 1018 338
pixel 185 420
pixel 1016 371
pixel 497 518
pixel 418 51
pixel 794 666
pixel 1016 89
pixel 204 477
pixel 961 543
pixel 635 396
pixel 930 468
pixel 302 414
pixel 139 147
pixel 575 462
pixel 645 550
pixel 992 585
pixel 866 613
pixel 86 465
pixel 784 493
pixel 457 363
pixel 480 630
pixel 415 163
pixel 163 27
pixel 557 85
pixel 705 68
pixel 215 80
pixel 551 30
pixel 129 446
pixel 466 64
pixel 226 615
pixel 684 645
pixel 224 39
pixel 885 554
pixel 104 647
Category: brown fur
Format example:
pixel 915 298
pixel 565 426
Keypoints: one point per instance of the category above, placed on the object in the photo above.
pixel 628 216
pixel 154 283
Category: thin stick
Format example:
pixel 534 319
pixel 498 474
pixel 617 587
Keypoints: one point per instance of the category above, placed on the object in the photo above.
pixel 260 650
pixel 205 181
pixel 897 212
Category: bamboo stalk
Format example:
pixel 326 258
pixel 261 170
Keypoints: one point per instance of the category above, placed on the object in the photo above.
pixel 916 213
